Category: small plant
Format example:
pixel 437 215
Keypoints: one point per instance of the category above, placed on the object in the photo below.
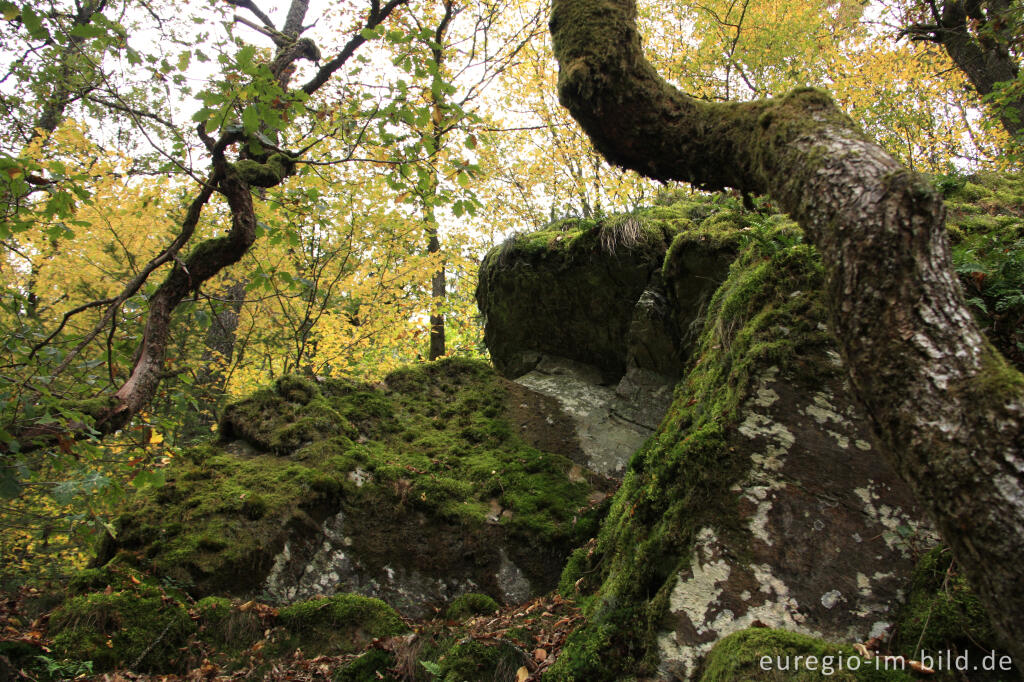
pixel 65 669
pixel 991 268
pixel 767 235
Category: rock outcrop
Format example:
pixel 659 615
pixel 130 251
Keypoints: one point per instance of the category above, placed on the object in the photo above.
pixel 759 500
pixel 414 491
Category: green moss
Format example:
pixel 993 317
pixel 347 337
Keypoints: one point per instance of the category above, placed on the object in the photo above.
pixel 583 278
pixel 268 174
pixel 339 624
pixel 744 655
pixel 296 389
pixel 139 628
pixel 478 660
pixel 226 627
pixel 995 386
pixel 472 604
pixel 941 612
pixel 370 667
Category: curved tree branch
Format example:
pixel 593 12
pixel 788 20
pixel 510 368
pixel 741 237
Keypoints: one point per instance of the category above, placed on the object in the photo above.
pixel 944 404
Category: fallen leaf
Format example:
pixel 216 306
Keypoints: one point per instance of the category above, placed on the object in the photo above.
pixel 540 655
pixel 522 674
pixel 920 667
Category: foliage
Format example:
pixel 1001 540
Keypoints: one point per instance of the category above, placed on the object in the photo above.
pixel 986 221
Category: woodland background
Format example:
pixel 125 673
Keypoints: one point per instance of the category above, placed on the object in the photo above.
pixel 436 135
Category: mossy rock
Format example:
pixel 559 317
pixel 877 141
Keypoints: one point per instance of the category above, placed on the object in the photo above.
pixel 767 313
pixel 225 626
pixel 471 604
pixel 370 667
pixel 569 289
pixel 138 628
pixel 337 625
pixel 436 453
pixel 765 655
pixel 478 660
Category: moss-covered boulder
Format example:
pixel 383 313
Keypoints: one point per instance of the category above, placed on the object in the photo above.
pixel 766 655
pixel 415 491
pixel 141 628
pixel 760 499
pixel 600 315
pixel 335 625
pixel 571 290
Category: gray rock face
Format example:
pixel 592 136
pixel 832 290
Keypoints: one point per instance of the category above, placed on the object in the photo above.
pixel 610 422
pixel 336 567
pixel 336 561
pixel 831 531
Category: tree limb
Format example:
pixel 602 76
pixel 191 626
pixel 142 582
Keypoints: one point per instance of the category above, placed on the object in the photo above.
pixel 944 405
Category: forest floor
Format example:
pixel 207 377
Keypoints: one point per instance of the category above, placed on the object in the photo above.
pixel 536 631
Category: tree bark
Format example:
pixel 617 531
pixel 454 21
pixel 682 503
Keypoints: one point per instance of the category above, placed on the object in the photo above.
pixel 438 289
pixel 944 405
pixel 976 35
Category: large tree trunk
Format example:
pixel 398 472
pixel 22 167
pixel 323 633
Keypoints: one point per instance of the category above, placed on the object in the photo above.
pixel 945 406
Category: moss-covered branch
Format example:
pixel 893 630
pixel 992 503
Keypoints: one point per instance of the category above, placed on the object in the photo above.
pixel 945 406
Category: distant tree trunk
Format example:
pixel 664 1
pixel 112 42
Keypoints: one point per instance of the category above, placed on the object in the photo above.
pixel 944 405
pixel 218 349
pixel 977 36
pixel 438 290
pixel 437 296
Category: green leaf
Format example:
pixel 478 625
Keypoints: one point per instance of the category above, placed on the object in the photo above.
pixel 88 31
pixel 463 180
pixel 250 118
pixel 33 23
pixel 149 479
pixel 10 486
pixel 9 10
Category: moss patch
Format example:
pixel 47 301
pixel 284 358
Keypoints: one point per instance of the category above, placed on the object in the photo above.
pixel 472 604
pixel 336 625
pixel 986 225
pixel 744 655
pixel 582 279
pixel 942 614
pixel 139 628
